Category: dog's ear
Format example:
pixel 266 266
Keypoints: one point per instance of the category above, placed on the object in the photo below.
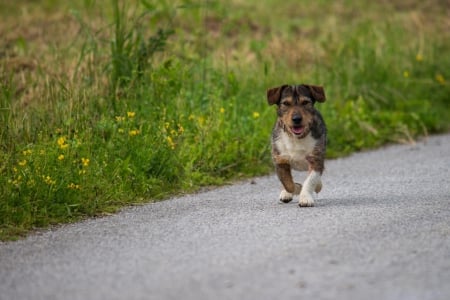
pixel 317 92
pixel 274 94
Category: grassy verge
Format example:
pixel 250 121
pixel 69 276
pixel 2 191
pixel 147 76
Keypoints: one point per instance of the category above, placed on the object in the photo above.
pixel 108 105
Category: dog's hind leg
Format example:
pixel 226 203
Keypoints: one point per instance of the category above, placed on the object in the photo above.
pixel 290 187
pixel 318 187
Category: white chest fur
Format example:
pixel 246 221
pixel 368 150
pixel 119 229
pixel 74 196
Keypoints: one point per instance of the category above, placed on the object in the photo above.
pixel 296 149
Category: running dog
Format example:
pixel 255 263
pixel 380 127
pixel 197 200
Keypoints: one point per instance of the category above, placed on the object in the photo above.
pixel 299 139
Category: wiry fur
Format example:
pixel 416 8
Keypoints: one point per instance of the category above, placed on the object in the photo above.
pixel 298 139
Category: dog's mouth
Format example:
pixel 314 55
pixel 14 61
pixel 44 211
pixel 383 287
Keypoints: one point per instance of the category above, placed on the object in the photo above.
pixel 298 130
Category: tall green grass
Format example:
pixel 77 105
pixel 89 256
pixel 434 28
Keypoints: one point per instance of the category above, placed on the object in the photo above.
pixel 164 98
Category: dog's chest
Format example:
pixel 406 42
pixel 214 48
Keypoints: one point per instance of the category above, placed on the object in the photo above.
pixel 295 149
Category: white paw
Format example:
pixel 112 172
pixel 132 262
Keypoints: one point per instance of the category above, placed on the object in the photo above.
pixel 306 200
pixel 285 196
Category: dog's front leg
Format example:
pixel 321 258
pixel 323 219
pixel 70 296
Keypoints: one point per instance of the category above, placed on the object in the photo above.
pixel 291 188
pixel 313 182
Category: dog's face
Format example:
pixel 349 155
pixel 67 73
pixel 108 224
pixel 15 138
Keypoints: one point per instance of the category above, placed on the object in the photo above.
pixel 296 106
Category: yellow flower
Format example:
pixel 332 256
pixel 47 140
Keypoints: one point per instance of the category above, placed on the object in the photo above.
pixel 170 142
pixel 61 157
pixel 16 181
pixel 419 57
pixel 222 110
pixel 180 129
pixel 27 152
pixel 405 74
pixel 85 161
pixel 255 115
pixel 439 78
pixel 62 143
pixel 191 117
pixel 120 130
pixel 133 132
pixel 73 186
pixel 120 119
pixel 131 114
pixel 48 180
pixel 22 162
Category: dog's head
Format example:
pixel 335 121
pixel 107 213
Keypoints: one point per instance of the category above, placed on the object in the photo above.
pixel 296 106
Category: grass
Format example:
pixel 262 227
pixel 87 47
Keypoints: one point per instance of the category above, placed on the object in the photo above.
pixel 104 105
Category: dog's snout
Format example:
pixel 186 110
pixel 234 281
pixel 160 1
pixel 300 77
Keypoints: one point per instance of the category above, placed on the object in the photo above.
pixel 296 119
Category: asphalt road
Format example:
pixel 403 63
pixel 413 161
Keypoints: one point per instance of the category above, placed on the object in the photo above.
pixel 380 230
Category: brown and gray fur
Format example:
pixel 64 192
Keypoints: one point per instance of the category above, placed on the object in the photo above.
pixel 298 139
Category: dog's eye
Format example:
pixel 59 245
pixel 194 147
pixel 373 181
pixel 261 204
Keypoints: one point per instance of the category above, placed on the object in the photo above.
pixel 305 102
pixel 285 103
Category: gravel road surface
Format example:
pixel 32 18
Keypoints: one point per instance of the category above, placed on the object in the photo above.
pixel 380 230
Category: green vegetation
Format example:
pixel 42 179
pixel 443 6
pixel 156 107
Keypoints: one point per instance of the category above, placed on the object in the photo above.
pixel 110 103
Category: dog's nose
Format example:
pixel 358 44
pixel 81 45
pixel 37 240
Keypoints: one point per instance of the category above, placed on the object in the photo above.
pixel 296 119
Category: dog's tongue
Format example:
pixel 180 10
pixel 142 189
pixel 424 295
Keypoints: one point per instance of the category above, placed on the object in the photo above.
pixel 297 130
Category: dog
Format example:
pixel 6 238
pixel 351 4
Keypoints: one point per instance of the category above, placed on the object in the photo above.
pixel 299 139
